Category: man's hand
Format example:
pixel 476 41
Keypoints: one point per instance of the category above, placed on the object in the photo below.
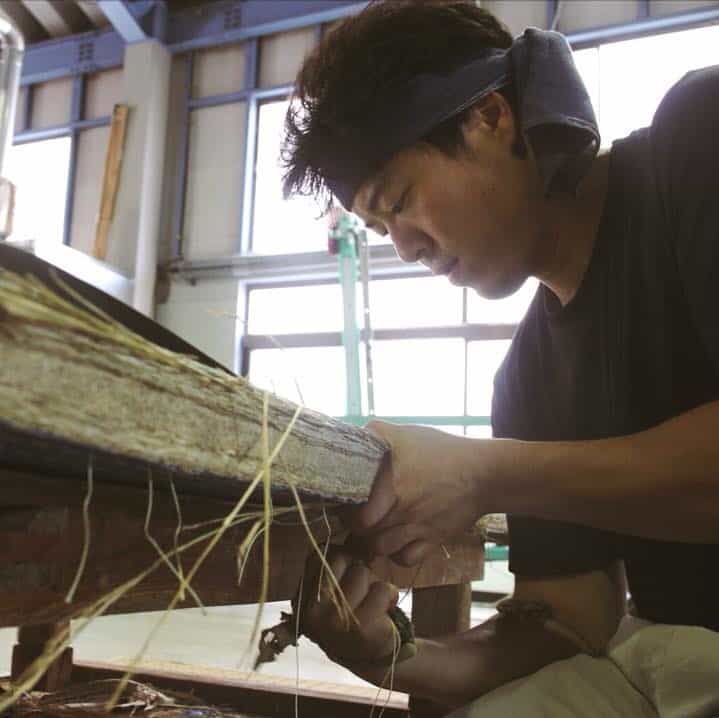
pixel 427 493
pixel 369 635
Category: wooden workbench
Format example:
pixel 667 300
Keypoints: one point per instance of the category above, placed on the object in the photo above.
pixel 42 487
pixel 41 541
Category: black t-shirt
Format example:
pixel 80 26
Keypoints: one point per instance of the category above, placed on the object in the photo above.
pixel 638 344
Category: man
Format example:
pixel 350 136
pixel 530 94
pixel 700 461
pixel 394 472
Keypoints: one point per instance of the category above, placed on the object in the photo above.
pixel 476 155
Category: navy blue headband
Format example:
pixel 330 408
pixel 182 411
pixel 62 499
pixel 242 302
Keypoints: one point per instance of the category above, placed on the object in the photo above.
pixel 556 118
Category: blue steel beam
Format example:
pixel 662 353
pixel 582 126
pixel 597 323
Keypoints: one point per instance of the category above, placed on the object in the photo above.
pixel 75 55
pixel 123 19
pixel 220 23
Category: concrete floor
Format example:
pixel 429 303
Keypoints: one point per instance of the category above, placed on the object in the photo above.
pixel 219 640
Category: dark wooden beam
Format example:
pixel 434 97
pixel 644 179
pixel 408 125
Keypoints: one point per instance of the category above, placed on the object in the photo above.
pixel 30 645
pixel 41 541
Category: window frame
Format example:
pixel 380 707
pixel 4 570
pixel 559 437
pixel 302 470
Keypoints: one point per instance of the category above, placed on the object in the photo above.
pixel 71 129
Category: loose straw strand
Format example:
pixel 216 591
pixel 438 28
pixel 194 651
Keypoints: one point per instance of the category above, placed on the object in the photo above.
pixel 86 533
pixel 165 558
pixel 326 549
pixel 217 535
pixel 178 531
pixel 297 644
pixel 267 505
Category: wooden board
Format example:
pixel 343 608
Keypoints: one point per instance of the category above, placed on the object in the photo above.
pixel 111 178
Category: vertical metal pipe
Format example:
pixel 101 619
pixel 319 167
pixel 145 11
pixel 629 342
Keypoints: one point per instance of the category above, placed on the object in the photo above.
pixel 12 49
pixel 553 8
pixel 251 127
pixel 183 150
pixel 76 112
pixel 364 277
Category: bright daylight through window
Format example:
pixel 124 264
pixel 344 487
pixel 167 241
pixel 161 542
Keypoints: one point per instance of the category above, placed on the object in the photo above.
pixel 39 172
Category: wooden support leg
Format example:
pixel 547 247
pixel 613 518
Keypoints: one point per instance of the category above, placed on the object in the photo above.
pixel 30 644
pixel 438 611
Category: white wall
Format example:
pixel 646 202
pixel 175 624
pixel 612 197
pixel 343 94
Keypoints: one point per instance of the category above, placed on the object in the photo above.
pixel 204 314
pixel 51 103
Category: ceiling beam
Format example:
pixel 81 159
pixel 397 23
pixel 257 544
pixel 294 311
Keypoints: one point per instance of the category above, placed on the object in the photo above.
pixel 90 8
pixel 123 19
pixel 25 21
pixel 57 17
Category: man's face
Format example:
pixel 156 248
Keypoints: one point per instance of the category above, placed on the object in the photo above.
pixel 473 217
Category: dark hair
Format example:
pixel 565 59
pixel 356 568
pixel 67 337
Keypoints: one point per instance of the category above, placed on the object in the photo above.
pixel 344 83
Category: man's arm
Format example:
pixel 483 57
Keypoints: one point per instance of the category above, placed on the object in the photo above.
pixel 458 669
pixel 662 483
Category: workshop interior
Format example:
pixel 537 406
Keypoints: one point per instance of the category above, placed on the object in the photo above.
pixel 190 357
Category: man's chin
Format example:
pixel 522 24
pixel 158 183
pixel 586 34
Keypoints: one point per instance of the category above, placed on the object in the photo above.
pixel 491 288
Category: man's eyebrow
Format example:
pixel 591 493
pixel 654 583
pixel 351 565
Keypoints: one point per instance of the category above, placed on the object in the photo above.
pixel 377 191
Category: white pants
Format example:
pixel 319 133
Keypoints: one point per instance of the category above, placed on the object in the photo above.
pixel 651 670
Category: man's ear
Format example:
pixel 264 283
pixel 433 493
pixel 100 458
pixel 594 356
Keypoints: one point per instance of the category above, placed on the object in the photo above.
pixel 491 118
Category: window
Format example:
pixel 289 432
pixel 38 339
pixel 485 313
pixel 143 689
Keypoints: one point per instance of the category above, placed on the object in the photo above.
pixel 414 302
pixel 419 377
pixel 313 376
pixel 435 348
pixel 39 171
pixel 280 226
pixel 627 80
pixel 289 310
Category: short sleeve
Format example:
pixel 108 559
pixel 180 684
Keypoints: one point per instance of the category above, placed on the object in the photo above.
pixel 685 151
pixel 538 547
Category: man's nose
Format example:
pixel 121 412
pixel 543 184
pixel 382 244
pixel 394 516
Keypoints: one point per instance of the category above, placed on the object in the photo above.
pixel 411 243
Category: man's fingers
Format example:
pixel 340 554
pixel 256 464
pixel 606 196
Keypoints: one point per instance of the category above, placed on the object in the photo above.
pixel 382 499
pixel 413 553
pixel 393 540
pixel 314 596
pixel 381 596
pixel 355 584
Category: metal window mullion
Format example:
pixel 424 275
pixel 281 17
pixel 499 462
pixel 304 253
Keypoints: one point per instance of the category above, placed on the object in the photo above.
pixel 470 332
pixel 183 151
pixel 51 133
pixel 251 128
pixel 70 190
pixel 77 109
pixel 240 326
pixel 466 357
pixel 552 9
pixel 26 123
pixel 277 92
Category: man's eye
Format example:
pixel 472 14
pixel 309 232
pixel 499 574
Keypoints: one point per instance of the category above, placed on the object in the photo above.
pixel 398 206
